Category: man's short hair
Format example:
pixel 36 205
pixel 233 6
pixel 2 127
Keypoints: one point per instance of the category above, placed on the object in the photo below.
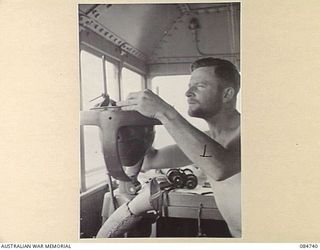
pixel 223 69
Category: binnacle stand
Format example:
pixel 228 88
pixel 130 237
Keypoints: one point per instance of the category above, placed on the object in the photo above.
pixel 110 120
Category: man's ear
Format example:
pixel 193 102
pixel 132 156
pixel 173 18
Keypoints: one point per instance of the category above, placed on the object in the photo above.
pixel 228 94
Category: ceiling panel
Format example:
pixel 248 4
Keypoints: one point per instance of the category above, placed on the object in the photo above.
pixel 86 7
pixel 161 31
pixel 216 36
pixel 141 25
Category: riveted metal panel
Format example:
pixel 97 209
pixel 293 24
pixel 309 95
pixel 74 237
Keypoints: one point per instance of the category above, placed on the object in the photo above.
pixel 104 47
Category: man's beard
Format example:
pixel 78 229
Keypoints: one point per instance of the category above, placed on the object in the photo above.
pixel 203 113
pixel 196 113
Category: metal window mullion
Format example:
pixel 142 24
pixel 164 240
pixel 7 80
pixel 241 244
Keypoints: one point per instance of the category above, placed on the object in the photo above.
pixel 149 81
pixel 120 67
pixel 116 75
pixel 143 82
pixel 82 149
pixel 83 186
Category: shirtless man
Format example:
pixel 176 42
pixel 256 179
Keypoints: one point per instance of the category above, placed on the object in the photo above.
pixel 212 94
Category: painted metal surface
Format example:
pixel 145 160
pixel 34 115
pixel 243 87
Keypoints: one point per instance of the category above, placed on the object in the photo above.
pixel 160 34
pixel 110 122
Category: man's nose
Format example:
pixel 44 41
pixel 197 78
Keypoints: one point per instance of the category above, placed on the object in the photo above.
pixel 190 92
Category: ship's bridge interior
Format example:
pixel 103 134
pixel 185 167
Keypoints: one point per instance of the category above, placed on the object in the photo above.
pixel 125 48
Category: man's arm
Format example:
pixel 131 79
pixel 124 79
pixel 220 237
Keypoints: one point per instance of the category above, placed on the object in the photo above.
pixel 220 163
pixel 167 157
pixel 216 161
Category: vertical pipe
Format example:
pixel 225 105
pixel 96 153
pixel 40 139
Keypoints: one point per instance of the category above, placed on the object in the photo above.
pixel 104 75
pixel 115 76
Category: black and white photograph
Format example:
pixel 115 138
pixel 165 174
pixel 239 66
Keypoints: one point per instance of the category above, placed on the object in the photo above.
pixel 160 120
pixel 146 122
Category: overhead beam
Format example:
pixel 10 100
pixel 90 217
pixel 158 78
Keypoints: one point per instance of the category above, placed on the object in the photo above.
pixel 100 46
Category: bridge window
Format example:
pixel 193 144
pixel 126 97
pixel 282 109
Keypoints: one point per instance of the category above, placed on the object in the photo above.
pixel 91 79
pixel 131 82
pixel 93 168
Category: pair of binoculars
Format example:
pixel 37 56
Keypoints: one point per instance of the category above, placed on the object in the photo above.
pixel 182 178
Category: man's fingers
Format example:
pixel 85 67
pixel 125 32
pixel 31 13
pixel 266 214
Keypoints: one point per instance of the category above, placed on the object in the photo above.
pixel 130 100
pixel 133 95
pixel 127 102
pixel 131 107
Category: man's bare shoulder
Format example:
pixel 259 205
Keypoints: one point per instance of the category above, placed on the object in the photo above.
pixel 234 141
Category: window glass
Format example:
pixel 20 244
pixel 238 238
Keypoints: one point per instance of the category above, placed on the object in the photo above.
pixel 91 79
pixel 131 82
pixel 95 168
pixel 92 86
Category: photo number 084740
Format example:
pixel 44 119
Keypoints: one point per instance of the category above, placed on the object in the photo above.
pixel 160 120
pixel 308 245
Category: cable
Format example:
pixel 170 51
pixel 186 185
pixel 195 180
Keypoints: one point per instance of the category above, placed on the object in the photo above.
pixel 196 39
pixel 194 26
pixel 113 198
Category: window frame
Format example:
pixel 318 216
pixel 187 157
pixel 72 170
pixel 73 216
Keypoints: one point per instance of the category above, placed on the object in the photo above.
pixel 119 66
